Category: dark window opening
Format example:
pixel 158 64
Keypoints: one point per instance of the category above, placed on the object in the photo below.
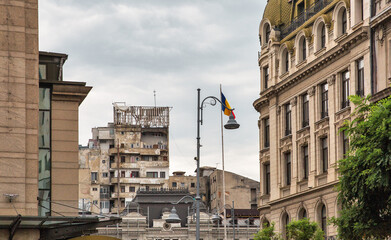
pixel 345 89
pixel 305 113
pixel 324 97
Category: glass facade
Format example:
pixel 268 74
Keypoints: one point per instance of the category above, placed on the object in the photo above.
pixel 44 163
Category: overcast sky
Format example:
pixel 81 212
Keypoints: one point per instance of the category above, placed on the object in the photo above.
pixel 127 49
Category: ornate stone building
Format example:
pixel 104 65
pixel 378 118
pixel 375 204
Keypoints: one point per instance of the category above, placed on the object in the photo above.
pixel 314 54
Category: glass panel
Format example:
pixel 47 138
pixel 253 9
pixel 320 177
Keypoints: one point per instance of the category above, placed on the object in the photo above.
pixel 44 205
pixel 44 98
pixel 42 72
pixel 44 129
pixel 44 169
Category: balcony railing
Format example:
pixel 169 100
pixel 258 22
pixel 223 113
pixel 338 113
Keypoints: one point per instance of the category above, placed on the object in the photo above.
pixel 303 17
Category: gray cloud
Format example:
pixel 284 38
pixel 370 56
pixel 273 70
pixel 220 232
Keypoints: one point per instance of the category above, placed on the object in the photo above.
pixel 126 49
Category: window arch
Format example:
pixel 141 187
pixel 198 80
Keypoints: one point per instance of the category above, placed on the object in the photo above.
pixel 320 36
pixel 323 216
pixel 321 212
pixel 284 222
pixel 342 21
pixel 265 223
pixel 267 33
pixel 302 49
pixel 284 61
pixel 302 213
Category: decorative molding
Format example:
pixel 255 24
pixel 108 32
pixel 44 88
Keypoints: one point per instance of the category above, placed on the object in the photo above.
pixel 311 91
pixel 331 80
pixel 380 34
pixel 293 101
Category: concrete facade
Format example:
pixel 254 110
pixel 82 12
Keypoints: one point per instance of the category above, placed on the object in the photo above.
pixel 130 154
pixel 309 64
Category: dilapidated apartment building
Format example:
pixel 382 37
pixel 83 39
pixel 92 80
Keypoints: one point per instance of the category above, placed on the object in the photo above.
pixel 129 154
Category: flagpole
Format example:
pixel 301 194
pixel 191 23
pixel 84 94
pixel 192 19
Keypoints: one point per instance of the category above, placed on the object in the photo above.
pixel 222 159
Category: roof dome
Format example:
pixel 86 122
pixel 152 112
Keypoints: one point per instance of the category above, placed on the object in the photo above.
pixel 278 12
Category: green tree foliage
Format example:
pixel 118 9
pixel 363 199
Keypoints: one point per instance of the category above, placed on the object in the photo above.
pixel 267 233
pixel 364 187
pixel 304 230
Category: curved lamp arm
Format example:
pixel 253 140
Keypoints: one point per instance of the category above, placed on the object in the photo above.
pixel 213 103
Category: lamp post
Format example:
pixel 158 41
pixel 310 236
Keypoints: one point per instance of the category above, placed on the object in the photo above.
pixel 231 124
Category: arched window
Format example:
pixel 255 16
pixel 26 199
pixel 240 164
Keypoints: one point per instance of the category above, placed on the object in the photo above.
pixel 322 36
pixel 302 214
pixel 267 33
pixel 323 218
pixel 284 67
pixel 286 61
pixel 344 22
pixel 285 222
pixel 265 223
pixel 304 50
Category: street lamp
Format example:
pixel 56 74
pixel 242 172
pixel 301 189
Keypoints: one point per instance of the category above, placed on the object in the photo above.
pixel 231 124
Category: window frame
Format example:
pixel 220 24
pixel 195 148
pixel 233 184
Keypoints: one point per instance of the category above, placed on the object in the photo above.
pixel 324 98
pixel 266 133
pixel 360 77
pixel 305 159
pixel 305 100
pixel 266 167
pixel 324 154
pixel 266 75
pixel 288 168
pixel 345 87
pixel 288 119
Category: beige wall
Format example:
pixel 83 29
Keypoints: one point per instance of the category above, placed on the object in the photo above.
pixel 19 106
pixel 237 188
pixel 65 149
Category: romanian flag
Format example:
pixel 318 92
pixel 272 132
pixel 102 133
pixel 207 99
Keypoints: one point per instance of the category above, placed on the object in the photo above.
pixel 226 108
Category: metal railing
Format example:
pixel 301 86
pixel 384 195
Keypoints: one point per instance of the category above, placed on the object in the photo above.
pixel 303 17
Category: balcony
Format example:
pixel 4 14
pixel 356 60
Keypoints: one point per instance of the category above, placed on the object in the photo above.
pixel 303 17
pixel 138 180
pixel 140 164
pixel 104 195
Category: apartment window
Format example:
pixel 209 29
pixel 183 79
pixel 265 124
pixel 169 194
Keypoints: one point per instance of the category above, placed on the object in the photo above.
pixel 162 174
pixel 122 159
pixel 324 154
pixel 324 98
pixel 152 174
pixel 305 110
pixel 267 33
pixel 323 218
pixel 174 184
pixel 266 133
pixel 360 77
pixel 345 143
pixel 344 22
pixel 303 49
pixel 122 188
pixel 305 162
pixel 132 189
pixel 265 76
pixel 286 61
pixel 288 174
pixel 267 178
pixel 94 176
pixel 94 189
pixel 322 36
pixel 135 174
pixel 105 174
pixel 122 173
pixel 345 89
pixel 288 119
pixel 192 185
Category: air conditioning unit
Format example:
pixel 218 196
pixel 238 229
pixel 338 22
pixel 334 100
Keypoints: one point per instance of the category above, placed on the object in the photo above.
pixel 94 181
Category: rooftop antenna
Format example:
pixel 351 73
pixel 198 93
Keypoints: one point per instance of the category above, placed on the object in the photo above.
pixel 154 96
